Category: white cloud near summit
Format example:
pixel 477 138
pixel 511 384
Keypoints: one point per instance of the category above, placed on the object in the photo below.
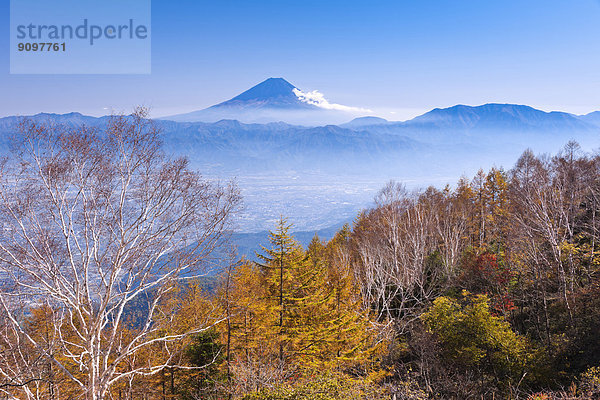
pixel 317 98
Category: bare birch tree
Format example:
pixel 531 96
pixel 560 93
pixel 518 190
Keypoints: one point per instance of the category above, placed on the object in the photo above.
pixel 394 243
pixel 554 201
pixel 96 221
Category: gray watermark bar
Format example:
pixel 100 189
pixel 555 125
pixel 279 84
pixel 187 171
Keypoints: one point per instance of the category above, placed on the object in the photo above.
pixel 80 37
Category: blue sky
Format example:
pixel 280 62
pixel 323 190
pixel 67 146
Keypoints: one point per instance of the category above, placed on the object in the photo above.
pixel 398 58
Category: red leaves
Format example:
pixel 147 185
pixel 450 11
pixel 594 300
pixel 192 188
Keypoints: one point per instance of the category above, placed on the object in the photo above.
pixel 484 273
pixel 486 268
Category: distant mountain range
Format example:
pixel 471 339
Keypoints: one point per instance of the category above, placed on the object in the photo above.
pixel 319 175
pixel 277 100
pixel 507 117
pixel 382 147
pixel 593 118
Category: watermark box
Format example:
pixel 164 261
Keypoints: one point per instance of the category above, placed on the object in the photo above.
pixel 80 37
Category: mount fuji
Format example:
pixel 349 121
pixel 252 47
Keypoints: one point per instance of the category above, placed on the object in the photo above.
pixel 274 100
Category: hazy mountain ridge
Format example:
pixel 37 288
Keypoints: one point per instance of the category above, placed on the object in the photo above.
pixel 499 116
pixel 592 118
pixel 72 119
pixel 487 117
pixel 368 145
pixel 232 146
pixel 492 125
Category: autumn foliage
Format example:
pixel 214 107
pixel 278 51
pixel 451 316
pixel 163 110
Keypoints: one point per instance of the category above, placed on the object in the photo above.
pixel 488 289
